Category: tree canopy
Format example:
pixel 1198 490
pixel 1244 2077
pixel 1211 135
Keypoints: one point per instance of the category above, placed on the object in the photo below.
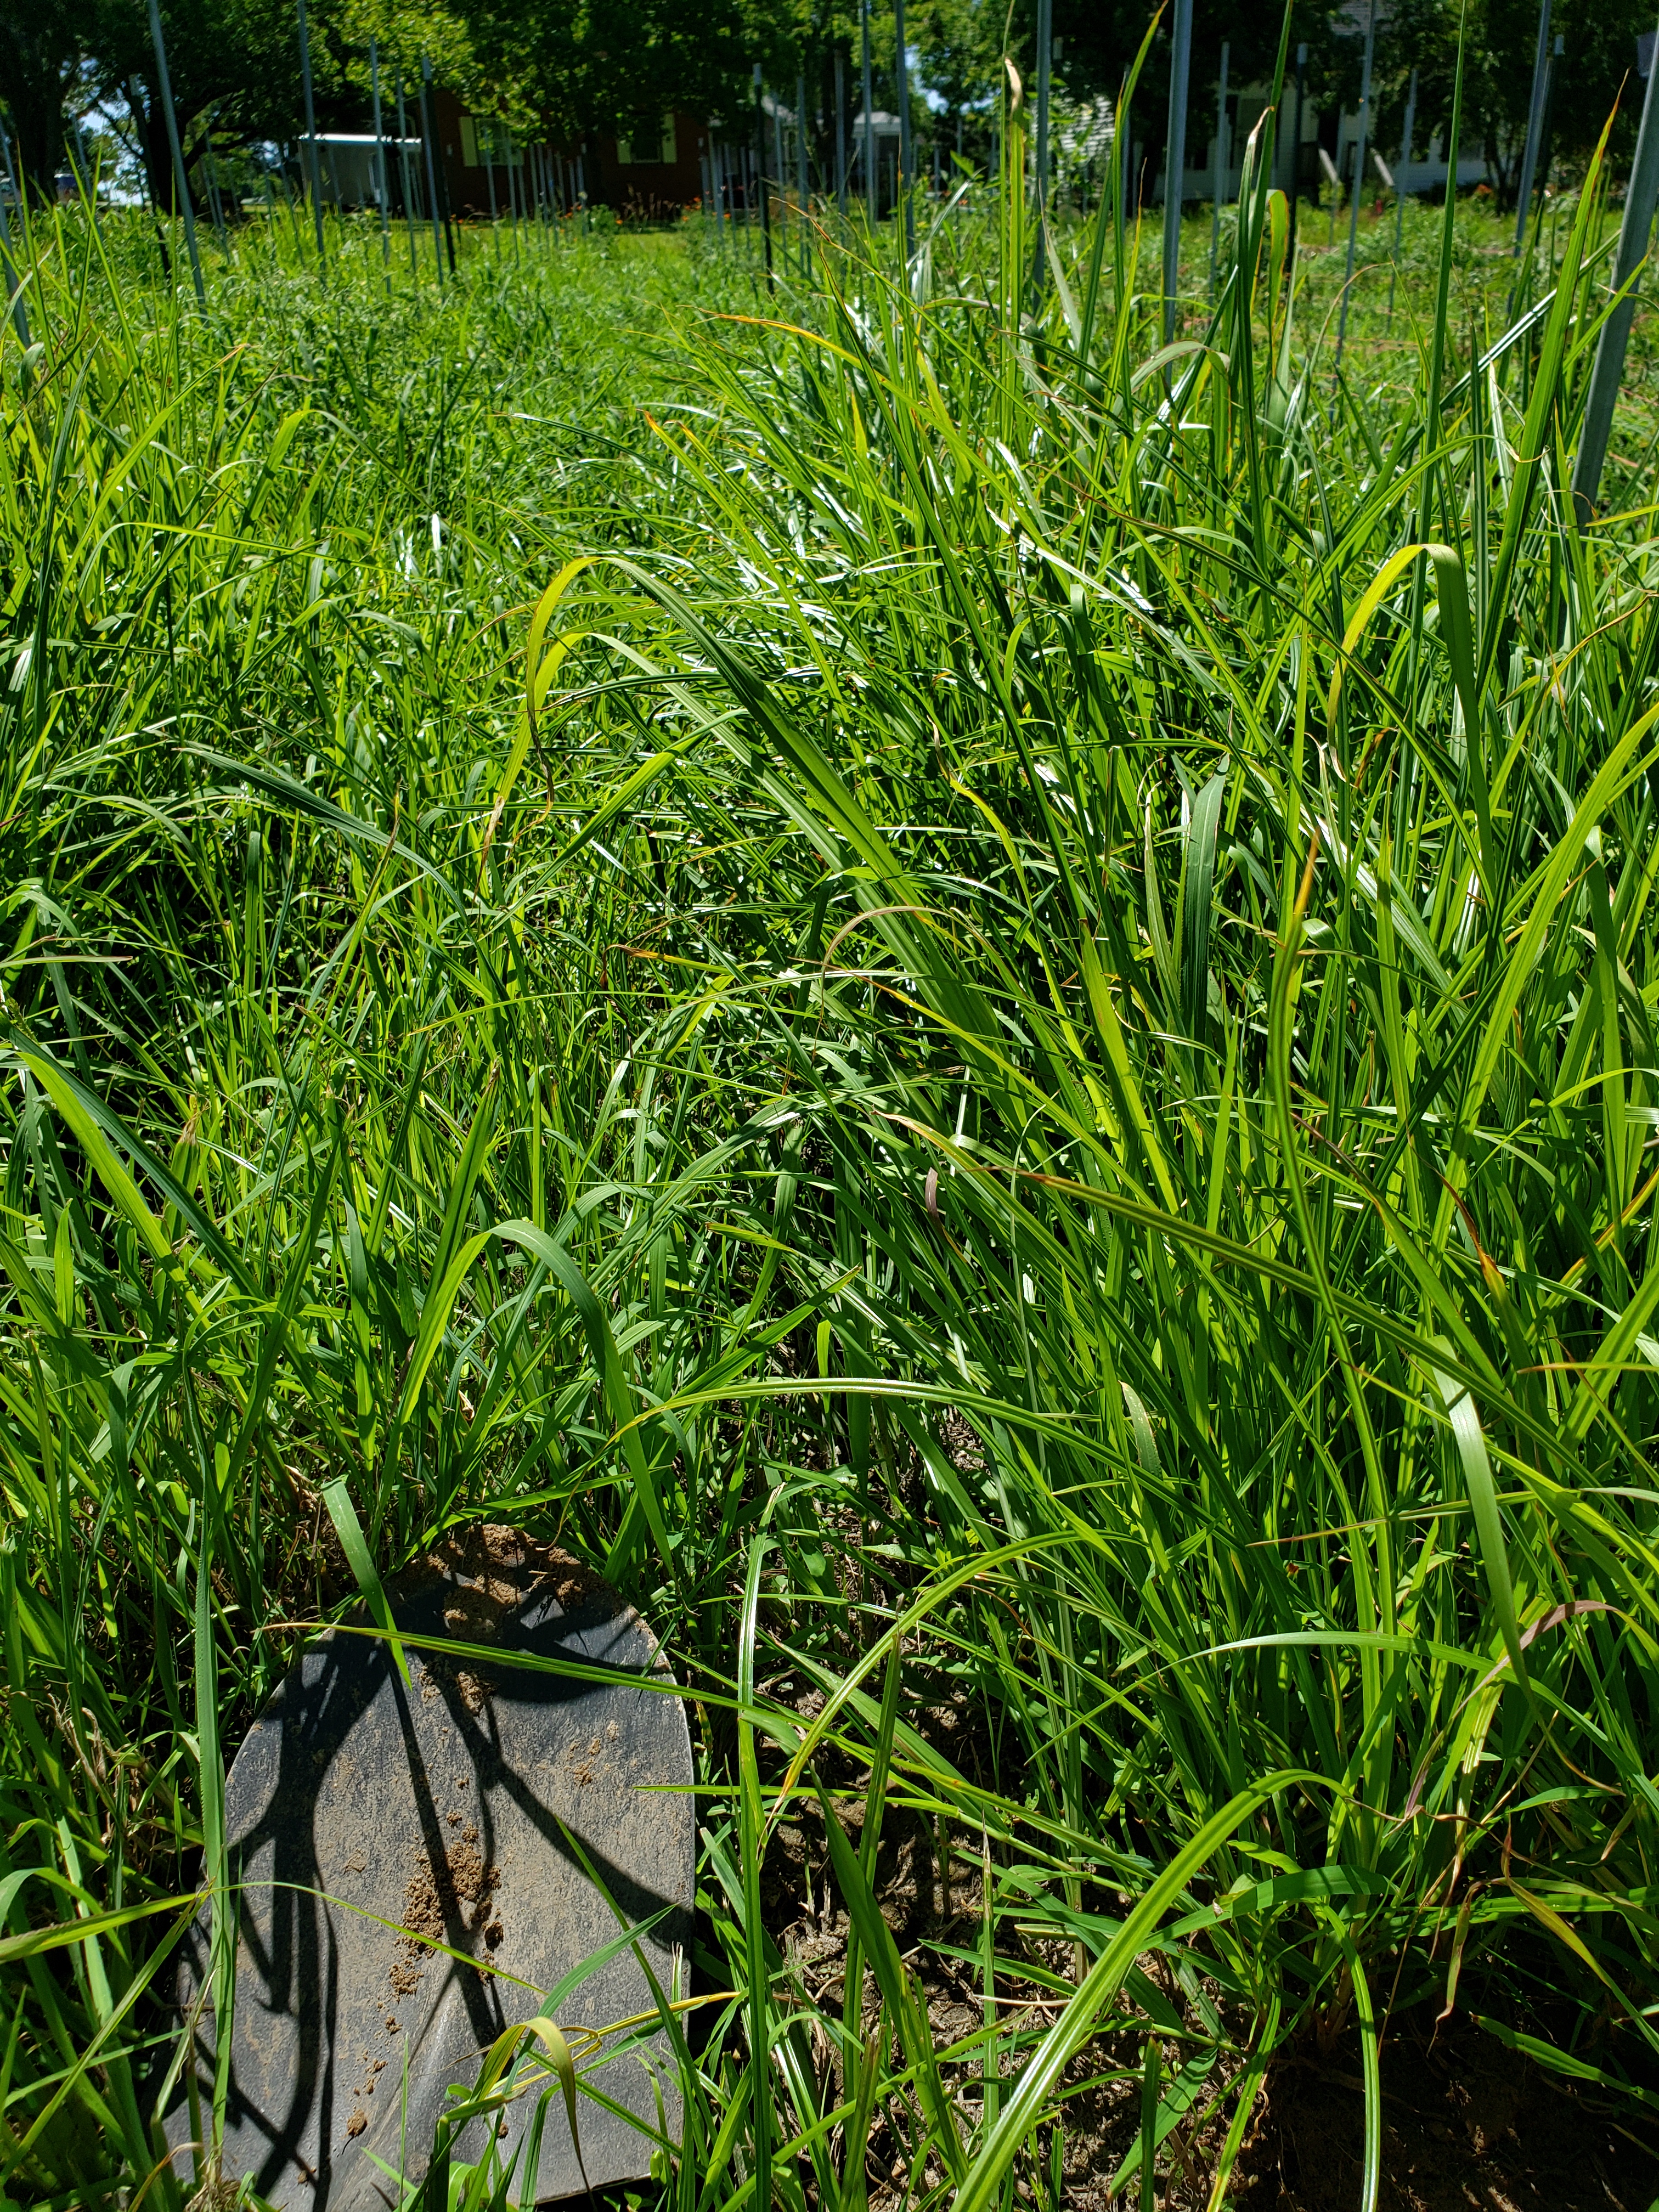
pixel 563 67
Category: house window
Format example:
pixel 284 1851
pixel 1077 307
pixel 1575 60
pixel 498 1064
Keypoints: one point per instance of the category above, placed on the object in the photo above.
pixel 483 140
pixel 630 150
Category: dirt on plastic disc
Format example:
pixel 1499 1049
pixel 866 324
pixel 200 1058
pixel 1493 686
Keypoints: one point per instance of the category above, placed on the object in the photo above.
pixel 513 1814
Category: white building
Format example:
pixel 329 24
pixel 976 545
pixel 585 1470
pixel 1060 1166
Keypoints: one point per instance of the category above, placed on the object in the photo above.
pixel 1424 173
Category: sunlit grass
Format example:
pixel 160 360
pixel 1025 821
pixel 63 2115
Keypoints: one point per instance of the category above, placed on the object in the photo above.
pixel 1085 1016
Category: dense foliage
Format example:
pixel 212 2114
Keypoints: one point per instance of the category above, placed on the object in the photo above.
pixel 1063 942
pixel 562 68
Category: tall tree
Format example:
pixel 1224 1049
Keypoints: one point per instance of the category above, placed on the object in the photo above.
pixel 963 43
pixel 567 67
pixel 234 65
pixel 1596 69
pixel 42 46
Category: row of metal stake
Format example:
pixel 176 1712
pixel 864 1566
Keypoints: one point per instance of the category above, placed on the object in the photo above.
pixel 720 176
pixel 720 179
pixel 551 168
pixel 1635 229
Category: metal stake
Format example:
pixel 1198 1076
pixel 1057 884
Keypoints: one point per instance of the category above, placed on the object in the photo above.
pixel 1175 158
pixel 311 136
pixel 803 182
pixel 1218 182
pixel 439 179
pixel 431 174
pixel 1125 153
pixel 271 219
pixel 869 121
pixel 8 267
pixel 841 135
pixel 1399 193
pixel 405 180
pixel 384 188
pixel 1640 194
pixel 906 181
pixel 1543 151
pixel 777 163
pixel 1540 72
pixel 293 212
pixel 1358 173
pixel 211 177
pixel 165 85
pixel 1296 147
pixel 1546 142
pixel 1045 48
pixel 760 164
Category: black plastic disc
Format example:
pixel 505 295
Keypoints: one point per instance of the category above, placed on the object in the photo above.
pixel 458 1809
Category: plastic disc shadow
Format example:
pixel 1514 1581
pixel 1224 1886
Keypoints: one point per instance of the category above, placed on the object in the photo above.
pixel 363 1816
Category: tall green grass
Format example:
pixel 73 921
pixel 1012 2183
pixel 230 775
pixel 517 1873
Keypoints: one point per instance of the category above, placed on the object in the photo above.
pixel 975 1004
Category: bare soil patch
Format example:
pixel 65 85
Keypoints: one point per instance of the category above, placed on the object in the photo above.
pixel 1467 2123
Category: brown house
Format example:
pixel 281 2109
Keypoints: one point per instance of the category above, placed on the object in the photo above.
pixel 652 177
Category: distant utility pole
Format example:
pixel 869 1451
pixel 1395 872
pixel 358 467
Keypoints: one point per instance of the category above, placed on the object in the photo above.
pixel 1358 172
pixel 1175 160
pixel 311 132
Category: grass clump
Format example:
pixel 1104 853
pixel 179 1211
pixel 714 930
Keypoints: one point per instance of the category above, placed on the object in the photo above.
pixel 1062 940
